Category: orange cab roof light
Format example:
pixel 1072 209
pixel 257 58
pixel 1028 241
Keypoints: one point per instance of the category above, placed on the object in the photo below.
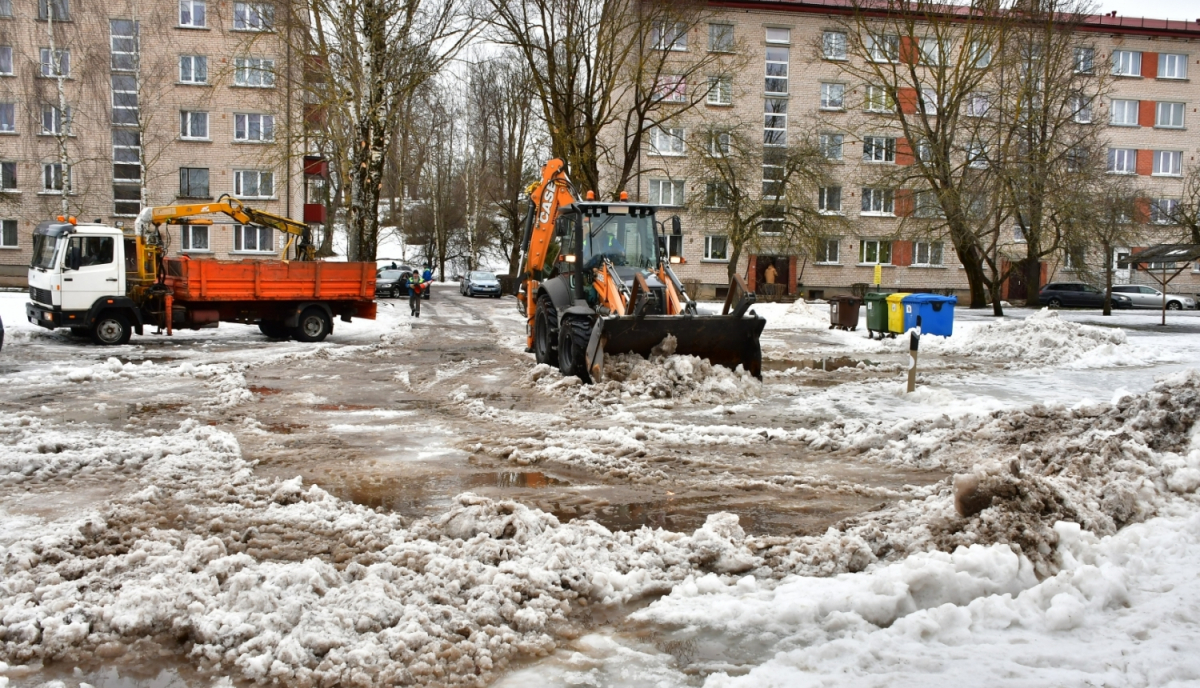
pixel 624 195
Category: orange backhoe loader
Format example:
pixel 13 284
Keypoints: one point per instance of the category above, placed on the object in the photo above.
pixel 596 279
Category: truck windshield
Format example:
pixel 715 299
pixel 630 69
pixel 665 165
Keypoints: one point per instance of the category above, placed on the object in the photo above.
pixel 43 251
pixel 622 239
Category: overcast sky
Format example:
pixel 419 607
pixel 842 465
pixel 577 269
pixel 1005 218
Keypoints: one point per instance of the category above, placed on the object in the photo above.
pixel 1158 9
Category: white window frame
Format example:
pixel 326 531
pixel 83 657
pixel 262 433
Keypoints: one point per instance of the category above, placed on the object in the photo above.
pixel 1127 63
pixel 778 119
pixel 834 45
pixel 720 90
pixel 879 249
pixel 52 172
pixel 118 41
pixel 877 99
pixel 59 122
pixel 248 70
pixel 933 51
pixel 1082 106
pixel 6 60
pixel 667 193
pixel 773 57
pixel 12 121
pixel 979 54
pixel 830 142
pixel 1120 110
pixel 883 47
pixel 1085 60
pixel 720 40
pixel 208 191
pixel 240 233
pixel 240 177
pixel 192 61
pixel 125 99
pixel 934 254
pixel 777 35
pixel 878 202
pixel 4 177
pixel 243 124
pixel 1172 66
pixel 979 104
pixel 670 88
pixel 930 98
pixel 824 256
pixel 710 240
pixel 672 136
pixel 662 29
pixel 833 95
pixel 716 194
pixel 719 142
pixel 1168 114
pixel 16 233
pixel 829 200
pixel 1167 163
pixel 189 121
pixel 253 16
pixel 1162 211
pixel 1122 161
pixel 879 149
pixel 190 236
pixel 977 155
pixel 47 62
pixel 190 22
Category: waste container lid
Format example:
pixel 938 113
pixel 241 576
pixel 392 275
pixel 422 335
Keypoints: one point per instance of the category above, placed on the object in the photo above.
pixel 930 298
pixel 896 298
pixel 844 297
pixel 875 296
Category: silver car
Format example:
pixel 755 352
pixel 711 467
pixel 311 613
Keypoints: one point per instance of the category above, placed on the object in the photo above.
pixel 1149 297
pixel 478 282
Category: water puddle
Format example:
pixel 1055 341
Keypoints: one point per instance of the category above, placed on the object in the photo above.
pixel 827 364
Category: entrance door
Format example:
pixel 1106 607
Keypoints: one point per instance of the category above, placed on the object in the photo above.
pixel 1120 274
pixel 772 274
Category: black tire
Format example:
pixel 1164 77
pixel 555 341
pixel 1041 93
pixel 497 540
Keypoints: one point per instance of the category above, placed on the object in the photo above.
pixel 111 329
pixel 1174 305
pixel 273 329
pixel 752 358
pixel 1054 303
pixel 573 335
pixel 470 293
pixel 314 325
pixel 545 332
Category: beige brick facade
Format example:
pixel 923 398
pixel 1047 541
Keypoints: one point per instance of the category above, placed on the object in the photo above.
pixel 197 68
pixel 807 70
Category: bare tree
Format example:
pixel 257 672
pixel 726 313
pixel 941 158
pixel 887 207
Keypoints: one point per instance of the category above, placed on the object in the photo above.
pixel 1186 213
pixel 1107 212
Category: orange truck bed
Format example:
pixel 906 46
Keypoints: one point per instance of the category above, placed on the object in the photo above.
pixel 269 280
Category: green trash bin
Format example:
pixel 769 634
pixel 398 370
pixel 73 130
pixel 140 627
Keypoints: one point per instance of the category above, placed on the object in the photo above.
pixel 877 315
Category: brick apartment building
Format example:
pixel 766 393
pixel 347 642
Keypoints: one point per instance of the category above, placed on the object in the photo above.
pixel 790 82
pixel 168 101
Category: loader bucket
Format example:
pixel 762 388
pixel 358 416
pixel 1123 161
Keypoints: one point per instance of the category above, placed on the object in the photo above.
pixel 722 339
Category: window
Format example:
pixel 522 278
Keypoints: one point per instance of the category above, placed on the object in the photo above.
pixel 1169 115
pixel 933 52
pixel 1126 63
pixel 1085 60
pixel 191 13
pixel 716 248
pixel 1172 66
pixel 193 182
pixel 127 155
pixel 720 38
pixel 979 54
pixel 193 69
pixel 1124 113
pixel 257 128
pixel 929 98
pixel 716 195
pixel 8 176
pixel 668 35
pixel 91 250
pixel 6 65
pixel 253 16
pixel 773 224
pixel 978 105
pixel 666 192
pixel 828 251
pixel 924 151
pixel 879 149
pixel 8 117
pixel 829 200
pixel 720 90
pixel 1019 234
pixel 57 65
pixel 1162 211
pixel 1077 159
pixel 195 238
pixel 883 48
pixel 124 99
pixel 253 239
pixel 253 184
pixel 833 45
pixel 666 141
pixel 52 177
pixel 1122 160
pixel 58 10
pixel 1083 109
pixel 1168 163
pixel 127 199
pixel 926 204
pixel 254 71
pixel 5 8
pixel 833 96
pixel 927 253
pixel 977 154
pixel 775 122
pixel 779 36
pixel 831 145
pixel 123 35
pixel 773 168
pixel 777 70
pixel 877 202
pixel 718 143
pixel 875 251
pixel 54 122
pixel 878 100
pixel 674 245
pixel 670 88
pixel 193 125
pixel 8 234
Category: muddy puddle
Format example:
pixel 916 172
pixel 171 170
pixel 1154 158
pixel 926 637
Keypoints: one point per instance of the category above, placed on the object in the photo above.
pixel 144 672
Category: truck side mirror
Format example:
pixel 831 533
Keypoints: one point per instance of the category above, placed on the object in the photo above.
pixel 676 226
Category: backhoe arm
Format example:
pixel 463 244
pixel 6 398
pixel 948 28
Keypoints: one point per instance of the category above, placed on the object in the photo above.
pixel 546 199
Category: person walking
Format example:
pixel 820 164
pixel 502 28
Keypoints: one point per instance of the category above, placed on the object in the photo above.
pixel 427 277
pixel 416 285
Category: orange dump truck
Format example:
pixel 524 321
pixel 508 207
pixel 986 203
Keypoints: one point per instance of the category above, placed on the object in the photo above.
pixel 105 283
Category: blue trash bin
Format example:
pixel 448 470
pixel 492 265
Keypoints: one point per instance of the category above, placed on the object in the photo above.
pixel 937 313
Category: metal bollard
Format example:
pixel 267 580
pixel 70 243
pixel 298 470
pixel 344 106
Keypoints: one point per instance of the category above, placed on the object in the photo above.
pixel 914 342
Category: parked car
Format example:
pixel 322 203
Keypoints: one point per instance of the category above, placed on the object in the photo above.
pixel 1079 295
pixel 392 283
pixel 1149 297
pixel 479 282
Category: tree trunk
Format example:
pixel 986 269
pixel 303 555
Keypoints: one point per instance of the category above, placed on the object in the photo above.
pixel 997 304
pixel 973 266
pixel 1108 278
pixel 1031 272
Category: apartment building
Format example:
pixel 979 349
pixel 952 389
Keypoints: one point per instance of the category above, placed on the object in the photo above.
pixel 108 107
pixel 793 79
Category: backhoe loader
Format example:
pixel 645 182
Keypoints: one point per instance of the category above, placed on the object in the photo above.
pixel 596 280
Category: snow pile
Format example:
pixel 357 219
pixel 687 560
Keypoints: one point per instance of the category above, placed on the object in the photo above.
pixel 801 315
pixel 1042 339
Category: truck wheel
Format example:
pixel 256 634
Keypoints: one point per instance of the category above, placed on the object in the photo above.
pixel 273 329
pixel 111 329
pixel 573 337
pixel 545 332
pixel 314 325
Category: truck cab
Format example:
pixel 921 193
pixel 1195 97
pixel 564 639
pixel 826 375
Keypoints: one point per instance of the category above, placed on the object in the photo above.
pixel 77 279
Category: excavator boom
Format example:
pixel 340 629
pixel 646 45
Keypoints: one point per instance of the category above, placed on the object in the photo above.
pixel 228 205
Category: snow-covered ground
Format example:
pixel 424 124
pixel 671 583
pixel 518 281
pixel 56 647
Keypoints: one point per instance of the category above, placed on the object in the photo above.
pixel 1054 541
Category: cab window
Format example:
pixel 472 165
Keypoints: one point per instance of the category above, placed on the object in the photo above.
pixel 88 251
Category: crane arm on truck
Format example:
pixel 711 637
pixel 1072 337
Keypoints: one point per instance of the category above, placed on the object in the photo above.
pixel 150 218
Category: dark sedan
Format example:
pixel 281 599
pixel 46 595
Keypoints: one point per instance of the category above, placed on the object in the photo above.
pixel 1079 295
pixel 391 284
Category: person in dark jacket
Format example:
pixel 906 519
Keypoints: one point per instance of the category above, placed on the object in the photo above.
pixel 427 277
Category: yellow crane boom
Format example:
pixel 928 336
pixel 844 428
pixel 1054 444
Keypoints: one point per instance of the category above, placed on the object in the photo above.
pixel 155 216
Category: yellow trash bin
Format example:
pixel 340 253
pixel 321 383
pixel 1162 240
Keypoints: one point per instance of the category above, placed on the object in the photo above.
pixel 895 311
